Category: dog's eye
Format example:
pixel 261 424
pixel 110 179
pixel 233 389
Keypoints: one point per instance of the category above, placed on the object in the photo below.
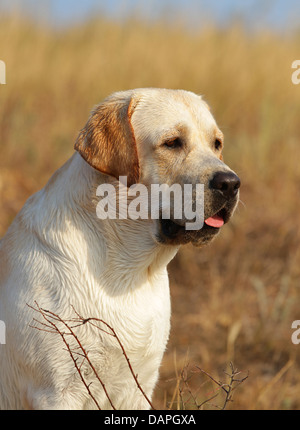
pixel 174 143
pixel 218 144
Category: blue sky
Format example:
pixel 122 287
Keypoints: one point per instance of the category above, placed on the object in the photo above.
pixel 256 13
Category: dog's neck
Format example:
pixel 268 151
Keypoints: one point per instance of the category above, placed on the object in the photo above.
pixel 112 243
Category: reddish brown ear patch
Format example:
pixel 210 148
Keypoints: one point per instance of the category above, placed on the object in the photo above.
pixel 107 140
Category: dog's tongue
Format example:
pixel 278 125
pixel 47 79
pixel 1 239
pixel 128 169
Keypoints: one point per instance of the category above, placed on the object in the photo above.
pixel 214 221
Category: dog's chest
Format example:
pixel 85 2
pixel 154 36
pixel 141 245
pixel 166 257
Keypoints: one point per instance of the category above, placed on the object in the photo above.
pixel 140 318
pixel 141 324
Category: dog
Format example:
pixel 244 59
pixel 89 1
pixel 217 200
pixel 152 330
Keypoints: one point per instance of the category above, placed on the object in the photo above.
pixel 59 255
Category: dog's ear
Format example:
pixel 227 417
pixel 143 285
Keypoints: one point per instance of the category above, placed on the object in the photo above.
pixel 107 140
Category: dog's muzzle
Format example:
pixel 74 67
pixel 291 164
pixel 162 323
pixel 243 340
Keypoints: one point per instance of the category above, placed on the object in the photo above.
pixel 221 197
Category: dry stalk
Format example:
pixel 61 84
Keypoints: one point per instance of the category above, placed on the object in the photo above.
pixel 51 327
pixel 188 396
pixel 228 387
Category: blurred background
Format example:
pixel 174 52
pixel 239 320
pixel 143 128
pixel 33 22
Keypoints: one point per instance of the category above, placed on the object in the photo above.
pixel 235 300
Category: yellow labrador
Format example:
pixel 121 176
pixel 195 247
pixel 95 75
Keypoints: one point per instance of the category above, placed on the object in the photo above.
pixel 60 254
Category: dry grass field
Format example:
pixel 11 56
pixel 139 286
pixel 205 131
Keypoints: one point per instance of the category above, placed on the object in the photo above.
pixel 235 300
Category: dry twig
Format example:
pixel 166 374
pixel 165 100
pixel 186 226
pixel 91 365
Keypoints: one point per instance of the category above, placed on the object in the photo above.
pixel 51 326
pixel 229 387
pixel 53 323
pixel 188 396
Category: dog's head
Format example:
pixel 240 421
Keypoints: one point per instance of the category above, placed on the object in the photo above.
pixel 159 136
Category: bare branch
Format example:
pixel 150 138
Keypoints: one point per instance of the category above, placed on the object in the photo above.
pixel 51 327
pixel 113 333
pixel 49 316
pixel 54 324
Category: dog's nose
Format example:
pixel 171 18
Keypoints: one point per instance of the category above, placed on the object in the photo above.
pixel 227 183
